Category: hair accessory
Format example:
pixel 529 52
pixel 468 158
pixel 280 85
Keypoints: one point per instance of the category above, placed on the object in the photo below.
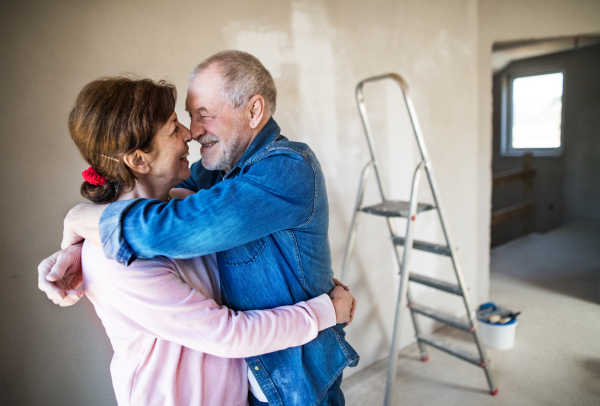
pixel 107 157
pixel 91 176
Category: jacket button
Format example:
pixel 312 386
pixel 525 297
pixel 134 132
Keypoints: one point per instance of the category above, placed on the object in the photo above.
pixel 121 262
pixel 256 368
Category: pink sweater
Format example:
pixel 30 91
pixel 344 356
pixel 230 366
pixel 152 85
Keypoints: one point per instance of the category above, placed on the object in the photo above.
pixel 169 332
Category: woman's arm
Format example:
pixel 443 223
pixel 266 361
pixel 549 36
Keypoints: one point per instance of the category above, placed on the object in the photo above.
pixel 58 272
pixel 151 297
pixel 180 193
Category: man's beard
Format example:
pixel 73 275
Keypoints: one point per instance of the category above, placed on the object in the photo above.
pixel 229 150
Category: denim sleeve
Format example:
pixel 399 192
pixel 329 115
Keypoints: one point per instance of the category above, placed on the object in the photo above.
pixel 276 193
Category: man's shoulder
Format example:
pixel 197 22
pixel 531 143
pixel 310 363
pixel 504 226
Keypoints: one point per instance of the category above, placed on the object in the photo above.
pixel 283 147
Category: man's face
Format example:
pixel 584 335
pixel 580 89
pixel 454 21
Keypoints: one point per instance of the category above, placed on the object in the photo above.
pixel 222 131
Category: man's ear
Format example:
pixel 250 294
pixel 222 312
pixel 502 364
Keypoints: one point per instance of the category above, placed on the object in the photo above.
pixel 137 161
pixel 257 110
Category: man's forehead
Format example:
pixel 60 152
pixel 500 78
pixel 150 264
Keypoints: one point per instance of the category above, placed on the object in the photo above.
pixel 202 93
pixel 195 101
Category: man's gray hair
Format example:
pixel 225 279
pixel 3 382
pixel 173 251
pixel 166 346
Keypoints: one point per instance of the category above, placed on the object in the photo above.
pixel 243 77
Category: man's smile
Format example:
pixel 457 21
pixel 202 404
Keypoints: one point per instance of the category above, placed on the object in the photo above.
pixel 208 141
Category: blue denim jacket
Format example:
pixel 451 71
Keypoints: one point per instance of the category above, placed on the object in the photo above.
pixel 268 220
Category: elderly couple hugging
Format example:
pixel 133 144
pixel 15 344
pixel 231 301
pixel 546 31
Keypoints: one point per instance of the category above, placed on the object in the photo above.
pixel 181 319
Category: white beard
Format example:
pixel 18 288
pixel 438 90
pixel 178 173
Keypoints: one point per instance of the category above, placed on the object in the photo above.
pixel 230 150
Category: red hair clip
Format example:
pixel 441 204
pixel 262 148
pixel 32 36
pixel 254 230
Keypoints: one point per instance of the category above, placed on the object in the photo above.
pixel 91 176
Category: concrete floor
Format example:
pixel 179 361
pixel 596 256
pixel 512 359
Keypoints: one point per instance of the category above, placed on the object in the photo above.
pixel 554 279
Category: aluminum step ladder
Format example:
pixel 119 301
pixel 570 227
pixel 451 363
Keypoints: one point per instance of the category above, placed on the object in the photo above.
pixel 410 210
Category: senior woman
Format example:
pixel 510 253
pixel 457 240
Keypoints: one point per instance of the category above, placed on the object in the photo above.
pixel 169 334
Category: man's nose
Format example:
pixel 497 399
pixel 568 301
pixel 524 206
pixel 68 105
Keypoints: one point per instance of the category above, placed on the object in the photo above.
pixel 197 130
pixel 185 133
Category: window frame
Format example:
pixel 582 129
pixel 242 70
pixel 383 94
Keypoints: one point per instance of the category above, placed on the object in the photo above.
pixel 508 77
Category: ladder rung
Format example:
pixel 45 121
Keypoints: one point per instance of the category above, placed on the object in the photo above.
pixel 393 208
pixel 426 246
pixel 435 283
pixel 442 317
pixel 452 349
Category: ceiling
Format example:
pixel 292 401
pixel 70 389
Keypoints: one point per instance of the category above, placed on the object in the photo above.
pixel 506 52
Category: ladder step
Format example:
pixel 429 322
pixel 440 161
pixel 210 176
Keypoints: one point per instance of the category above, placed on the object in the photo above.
pixel 425 246
pixel 435 283
pixel 395 208
pixel 452 349
pixel 442 317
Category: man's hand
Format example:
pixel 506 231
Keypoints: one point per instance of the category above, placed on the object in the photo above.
pixel 344 305
pixel 59 276
pixel 81 223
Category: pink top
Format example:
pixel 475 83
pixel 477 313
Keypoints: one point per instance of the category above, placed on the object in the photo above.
pixel 169 332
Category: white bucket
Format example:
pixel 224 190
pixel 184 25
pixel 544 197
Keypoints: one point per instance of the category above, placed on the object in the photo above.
pixel 498 336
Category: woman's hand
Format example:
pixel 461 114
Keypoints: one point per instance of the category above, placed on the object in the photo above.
pixel 344 305
pixel 180 193
pixel 336 282
pixel 59 276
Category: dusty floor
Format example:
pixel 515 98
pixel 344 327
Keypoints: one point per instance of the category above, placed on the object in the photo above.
pixel 554 279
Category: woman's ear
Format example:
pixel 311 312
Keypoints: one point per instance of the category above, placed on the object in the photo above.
pixel 137 161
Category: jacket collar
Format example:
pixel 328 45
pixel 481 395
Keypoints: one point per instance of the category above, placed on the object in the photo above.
pixel 269 133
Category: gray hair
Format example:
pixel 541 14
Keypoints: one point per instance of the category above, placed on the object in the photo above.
pixel 243 77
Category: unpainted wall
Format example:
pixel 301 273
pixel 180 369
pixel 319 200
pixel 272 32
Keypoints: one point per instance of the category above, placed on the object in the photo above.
pixel 317 51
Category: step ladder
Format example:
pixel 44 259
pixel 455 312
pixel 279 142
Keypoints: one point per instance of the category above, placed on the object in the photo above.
pixel 391 209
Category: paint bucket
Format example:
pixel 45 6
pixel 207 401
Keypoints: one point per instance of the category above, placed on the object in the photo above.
pixel 497 336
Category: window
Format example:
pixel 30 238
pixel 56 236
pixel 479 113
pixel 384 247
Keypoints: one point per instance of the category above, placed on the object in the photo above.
pixel 532 112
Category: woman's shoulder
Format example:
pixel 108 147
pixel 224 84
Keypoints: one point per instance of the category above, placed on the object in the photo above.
pixel 93 258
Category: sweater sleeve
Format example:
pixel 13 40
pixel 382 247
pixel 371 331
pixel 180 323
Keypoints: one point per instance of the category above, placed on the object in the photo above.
pixel 151 297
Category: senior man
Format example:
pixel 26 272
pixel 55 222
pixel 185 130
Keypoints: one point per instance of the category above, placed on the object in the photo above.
pixel 260 203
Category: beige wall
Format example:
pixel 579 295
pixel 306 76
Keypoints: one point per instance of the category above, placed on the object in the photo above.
pixel 317 51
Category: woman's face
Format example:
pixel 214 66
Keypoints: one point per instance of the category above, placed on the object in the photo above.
pixel 168 163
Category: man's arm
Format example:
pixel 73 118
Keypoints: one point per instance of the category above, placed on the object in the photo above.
pixel 276 193
pixel 81 223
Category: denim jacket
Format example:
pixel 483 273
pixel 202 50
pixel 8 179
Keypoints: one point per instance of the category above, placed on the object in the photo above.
pixel 267 220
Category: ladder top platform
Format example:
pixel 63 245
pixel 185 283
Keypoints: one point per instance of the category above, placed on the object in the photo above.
pixel 396 208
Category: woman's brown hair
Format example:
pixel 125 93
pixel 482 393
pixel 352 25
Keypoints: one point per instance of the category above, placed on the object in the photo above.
pixel 113 117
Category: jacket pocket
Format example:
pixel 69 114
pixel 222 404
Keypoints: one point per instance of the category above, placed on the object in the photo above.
pixel 245 254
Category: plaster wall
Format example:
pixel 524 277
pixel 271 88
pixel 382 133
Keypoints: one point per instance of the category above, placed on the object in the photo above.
pixel 317 52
